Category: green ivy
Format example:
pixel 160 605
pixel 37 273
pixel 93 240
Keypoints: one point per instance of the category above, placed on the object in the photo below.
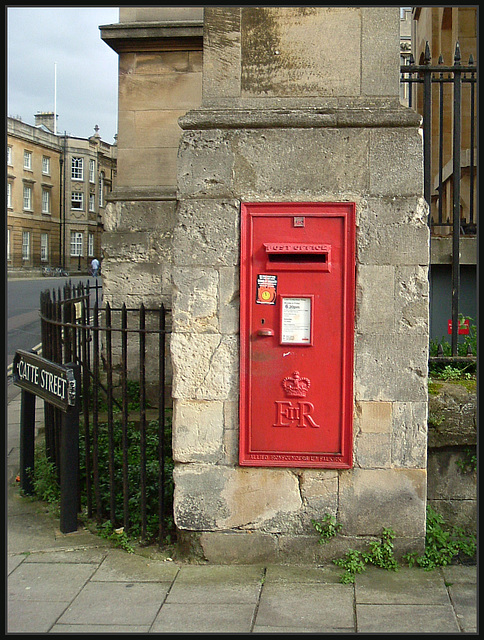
pixel 469 463
pixel 44 480
pixel 442 544
pixel 327 527
pixel 352 562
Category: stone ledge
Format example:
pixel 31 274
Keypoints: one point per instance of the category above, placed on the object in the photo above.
pixel 269 117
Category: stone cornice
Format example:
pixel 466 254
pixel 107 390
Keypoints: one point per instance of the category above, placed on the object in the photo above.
pixel 153 36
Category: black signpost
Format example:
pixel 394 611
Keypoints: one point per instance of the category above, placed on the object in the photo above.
pixel 58 385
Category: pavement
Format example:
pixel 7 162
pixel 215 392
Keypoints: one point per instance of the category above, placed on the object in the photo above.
pixel 80 583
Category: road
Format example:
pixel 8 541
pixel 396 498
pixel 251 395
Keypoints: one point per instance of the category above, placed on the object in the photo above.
pixel 23 319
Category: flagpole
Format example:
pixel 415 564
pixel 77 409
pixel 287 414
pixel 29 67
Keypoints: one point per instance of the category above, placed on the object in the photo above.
pixel 55 98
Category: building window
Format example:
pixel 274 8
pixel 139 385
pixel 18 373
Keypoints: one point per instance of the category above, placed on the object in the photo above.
pixel 8 244
pixel 77 169
pixel 90 245
pixel 92 171
pixel 9 195
pixel 28 160
pixel 9 155
pixel 101 189
pixel 27 198
pixel 25 245
pixel 77 201
pixel 92 202
pixel 45 201
pixel 44 247
pixel 46 165
pixel 76 243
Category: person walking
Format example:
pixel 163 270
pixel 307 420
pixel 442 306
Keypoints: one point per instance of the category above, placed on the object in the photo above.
pixel 95 267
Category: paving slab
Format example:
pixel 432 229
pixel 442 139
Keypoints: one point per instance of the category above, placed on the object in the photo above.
pixel 321 607
pixel 47 582
pixel 99 628
pixel 29 616
pixel 413 618
pixel 464 600
pixel 116 603
pixel 120 566
pixel 405 586
pixel 200 618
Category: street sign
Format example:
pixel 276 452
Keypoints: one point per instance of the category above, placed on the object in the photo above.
pixel 52 382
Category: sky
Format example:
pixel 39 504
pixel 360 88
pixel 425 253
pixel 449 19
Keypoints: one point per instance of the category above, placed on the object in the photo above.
pixel 55 56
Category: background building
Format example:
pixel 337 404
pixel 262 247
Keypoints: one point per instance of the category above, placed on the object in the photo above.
pixel 56 195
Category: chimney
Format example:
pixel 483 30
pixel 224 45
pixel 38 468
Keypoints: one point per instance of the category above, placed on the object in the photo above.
pixel 45 118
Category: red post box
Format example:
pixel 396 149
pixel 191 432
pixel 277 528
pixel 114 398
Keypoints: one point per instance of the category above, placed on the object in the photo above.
pixel 297 299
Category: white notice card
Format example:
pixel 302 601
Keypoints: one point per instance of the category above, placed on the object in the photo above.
pixel 296 321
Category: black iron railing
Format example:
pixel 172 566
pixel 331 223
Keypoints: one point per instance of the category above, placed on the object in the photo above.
pixel 443 162
pixel 126 439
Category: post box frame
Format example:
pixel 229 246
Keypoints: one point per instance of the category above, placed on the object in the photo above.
pixel 345 211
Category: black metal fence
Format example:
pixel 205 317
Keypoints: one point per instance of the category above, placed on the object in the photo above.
pixel 125 471
pixel 449 151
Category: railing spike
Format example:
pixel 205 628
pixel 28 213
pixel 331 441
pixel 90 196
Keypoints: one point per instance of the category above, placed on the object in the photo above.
pixel 441 59
pixel 471 59
pixel 457 56
pixel 427 56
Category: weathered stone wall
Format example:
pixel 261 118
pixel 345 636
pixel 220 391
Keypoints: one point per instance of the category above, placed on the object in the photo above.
pixel 366 149
pixel 452 476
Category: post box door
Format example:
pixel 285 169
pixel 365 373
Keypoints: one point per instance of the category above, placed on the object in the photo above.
pixel 297 318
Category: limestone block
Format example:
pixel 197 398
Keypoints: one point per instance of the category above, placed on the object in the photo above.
pixel 412 299
pixel 394 244
pixel 319 492
pixel 375 286
pixel 147 167
pixel 195 299
pixel 373 213
pixel 205 366
pixel 135 283
pixel 395 160
pixel 452 415
pixel 197 501
pixel 210 497
pixel 159 62
pixel 239 547
pixel 327 161
pixel 372 450
pixel 447 481
pixel 380 74
pixel 371 499
pixel 373 417
pixel 199 433
pixel 229 300
pixel 296 51
pixel 205 164
pixel 231 447
pixel 150 128
pixel 164 90
pixel 140 216
pixel 390 367
pixel 207 233
pixel 409 438
pixel 221 53
pixel 128 246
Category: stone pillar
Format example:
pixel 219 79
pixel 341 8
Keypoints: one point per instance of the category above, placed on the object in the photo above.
pixel 300 104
